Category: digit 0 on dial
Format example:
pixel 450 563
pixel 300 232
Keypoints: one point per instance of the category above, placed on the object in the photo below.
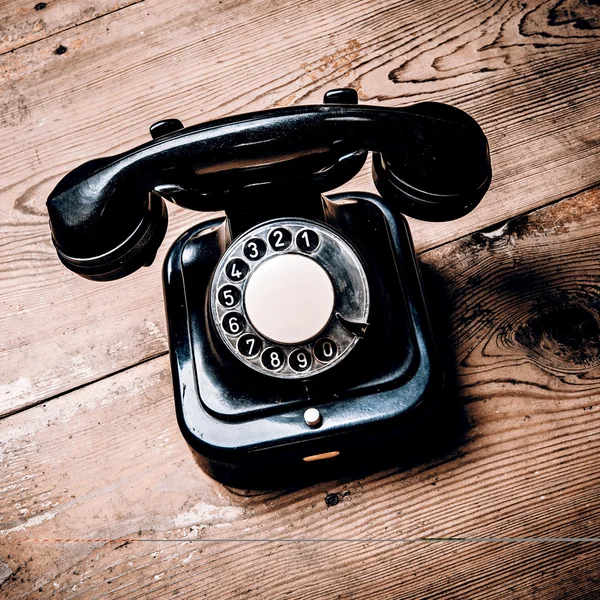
pixel 325 350
pixel 309 258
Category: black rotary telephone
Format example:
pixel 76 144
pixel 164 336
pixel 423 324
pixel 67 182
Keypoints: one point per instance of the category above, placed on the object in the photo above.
pixel 297 325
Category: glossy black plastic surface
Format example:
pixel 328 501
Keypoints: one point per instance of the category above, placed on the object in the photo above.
pixel 431 161
pixel 244 425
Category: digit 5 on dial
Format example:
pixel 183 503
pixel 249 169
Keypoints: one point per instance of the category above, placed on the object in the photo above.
pixel 298 331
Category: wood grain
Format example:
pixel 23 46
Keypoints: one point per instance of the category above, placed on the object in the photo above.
pixel 527 71
pixel 24 22
pixel 522 305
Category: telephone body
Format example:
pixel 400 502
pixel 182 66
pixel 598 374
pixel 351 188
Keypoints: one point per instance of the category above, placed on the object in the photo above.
pixel 298 329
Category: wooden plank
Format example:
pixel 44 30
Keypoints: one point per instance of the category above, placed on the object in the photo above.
pixel 107 462
pixel 25 22
pixel 526 72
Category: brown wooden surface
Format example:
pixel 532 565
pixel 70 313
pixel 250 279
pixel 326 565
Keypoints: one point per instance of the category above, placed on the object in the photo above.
pixel 519 303
pixel 23 23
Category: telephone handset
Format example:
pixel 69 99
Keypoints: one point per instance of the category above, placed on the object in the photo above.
pixel 297 326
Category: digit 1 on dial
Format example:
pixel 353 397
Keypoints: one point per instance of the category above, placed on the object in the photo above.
pixel 307 240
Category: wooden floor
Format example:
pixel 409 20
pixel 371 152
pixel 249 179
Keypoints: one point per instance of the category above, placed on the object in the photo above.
pixel 99 494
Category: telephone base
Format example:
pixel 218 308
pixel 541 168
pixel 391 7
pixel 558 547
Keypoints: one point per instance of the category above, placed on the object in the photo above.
pixel 250 430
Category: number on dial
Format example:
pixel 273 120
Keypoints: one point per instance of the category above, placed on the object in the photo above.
pixel 233 323
pixel 307 240
pixel 273 358
pixel 249 345
pixel 300 360
pixel 236 269
pixel 280 239
pixel 229 296
pixel 255 249
pixel 325 350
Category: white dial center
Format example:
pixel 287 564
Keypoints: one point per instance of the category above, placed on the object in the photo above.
pixel 289 298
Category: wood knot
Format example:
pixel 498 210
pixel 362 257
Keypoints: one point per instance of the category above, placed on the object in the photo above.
pixel 579 15
pixel 562 335
pixel 335 498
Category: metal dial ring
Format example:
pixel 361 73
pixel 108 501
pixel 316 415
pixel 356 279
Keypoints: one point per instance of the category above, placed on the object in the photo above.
pixel 315 254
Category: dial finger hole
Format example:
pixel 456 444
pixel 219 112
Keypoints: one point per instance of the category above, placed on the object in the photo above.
pixel 307 240
pixel 249 345
pixel 300 360
pixel 280 239
pixel 233 323
pixel 229 296
pixel 325 350
pixel 255 249
pixel 237 269
pixel 273 358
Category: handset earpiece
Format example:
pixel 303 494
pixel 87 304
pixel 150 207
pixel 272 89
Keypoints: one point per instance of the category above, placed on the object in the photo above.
pixel 442 171
pixel 119 253
pixel 103 229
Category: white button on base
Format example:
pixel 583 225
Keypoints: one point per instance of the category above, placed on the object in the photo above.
pixel 312 417
pixel 289 298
